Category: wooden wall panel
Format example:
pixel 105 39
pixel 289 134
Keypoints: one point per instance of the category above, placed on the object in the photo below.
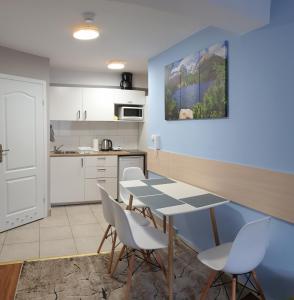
pixel 264 190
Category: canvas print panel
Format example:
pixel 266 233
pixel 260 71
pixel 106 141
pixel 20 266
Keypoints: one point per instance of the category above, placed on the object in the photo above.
pixel 196 86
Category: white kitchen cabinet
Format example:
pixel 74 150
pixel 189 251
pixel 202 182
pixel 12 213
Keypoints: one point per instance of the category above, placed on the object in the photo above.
pixel 66 180
pixel 132 97
pixel 89 104
pixel 110 185
pixel 98 172
pixel 65 103
pixel 102 170
pixel 92 192
pixel 97 104
pixel 101 161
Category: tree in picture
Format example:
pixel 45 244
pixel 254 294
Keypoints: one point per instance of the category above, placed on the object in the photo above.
pixel 196 86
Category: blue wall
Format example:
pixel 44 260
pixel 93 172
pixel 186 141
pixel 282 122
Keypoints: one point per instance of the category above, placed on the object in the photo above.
pixel 259 131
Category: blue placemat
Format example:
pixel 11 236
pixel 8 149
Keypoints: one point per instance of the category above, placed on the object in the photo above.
pixel 157 181
pixel 140 191
pixel 160 201
pixel 203 200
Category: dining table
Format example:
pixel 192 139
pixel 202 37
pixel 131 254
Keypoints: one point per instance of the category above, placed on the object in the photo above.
pixel 169 197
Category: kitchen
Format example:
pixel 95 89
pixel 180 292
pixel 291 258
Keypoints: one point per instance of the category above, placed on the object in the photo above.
pixel 139 142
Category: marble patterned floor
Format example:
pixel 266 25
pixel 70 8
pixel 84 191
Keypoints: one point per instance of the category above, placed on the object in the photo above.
pixel 86 278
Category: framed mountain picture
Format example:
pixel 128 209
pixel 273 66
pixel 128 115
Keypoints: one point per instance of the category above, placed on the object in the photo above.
pixel 196 87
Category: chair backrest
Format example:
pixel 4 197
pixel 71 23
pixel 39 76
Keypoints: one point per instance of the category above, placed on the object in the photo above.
pixel 249 247
pixel 122 226
pixel 131 173
pixel 106 206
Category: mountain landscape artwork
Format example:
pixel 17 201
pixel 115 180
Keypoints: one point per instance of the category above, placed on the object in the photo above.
pixel 196 86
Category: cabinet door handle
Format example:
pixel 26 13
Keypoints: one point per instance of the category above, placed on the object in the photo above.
pixel 85 115
pixel 82 162
pixel 101 157
pixel 101 169
pixel 101 180
pixel 79 114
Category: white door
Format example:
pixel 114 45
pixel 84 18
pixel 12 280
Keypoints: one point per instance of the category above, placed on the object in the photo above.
pixel 97 105
pixel 67 180
pixel 65 103
pixel 22 170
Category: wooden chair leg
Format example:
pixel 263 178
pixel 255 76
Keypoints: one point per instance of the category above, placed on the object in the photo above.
pixel 234 288
pixel 130 275
pixel 147 259
pixel 258 286
pixel 159 260
pixel 206 288
pixel 151 216
pixel 122 251
pixel 164 224
pixel 104 238
pixel 112 251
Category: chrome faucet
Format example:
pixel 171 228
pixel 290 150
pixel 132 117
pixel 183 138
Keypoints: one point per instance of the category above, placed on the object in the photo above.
pixel 56 149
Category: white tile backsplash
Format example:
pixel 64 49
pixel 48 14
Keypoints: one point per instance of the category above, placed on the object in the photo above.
pixel 75 134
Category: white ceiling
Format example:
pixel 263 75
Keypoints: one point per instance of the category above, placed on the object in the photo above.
pixel 131 30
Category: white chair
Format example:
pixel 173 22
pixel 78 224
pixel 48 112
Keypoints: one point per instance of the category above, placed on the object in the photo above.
pixel 139 239
pixel 135 173
pixel 109 218
pixel 240 257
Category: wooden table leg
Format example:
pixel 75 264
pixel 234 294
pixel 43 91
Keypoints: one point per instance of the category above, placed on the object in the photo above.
pixel 164 224
pixel 214 226
pixel 170 257
pixel 130 206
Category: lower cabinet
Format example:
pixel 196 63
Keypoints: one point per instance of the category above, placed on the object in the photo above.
pixel 92 193
pixel 74 179
pixel 66 180
pixel 101 170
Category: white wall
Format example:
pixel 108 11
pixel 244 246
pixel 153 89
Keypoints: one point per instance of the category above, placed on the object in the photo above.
pixel 18 63
pixel 111 79
pixel 74 134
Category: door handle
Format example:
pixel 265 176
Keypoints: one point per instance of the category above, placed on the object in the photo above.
pixel 85 115
pixel 82 162
pixel 79 114
pixel 1 152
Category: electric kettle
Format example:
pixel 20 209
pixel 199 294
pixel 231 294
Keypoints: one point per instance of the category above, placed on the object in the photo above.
pixel 106 145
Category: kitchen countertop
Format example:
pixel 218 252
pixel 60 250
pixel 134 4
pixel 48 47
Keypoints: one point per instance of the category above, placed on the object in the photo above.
pixel 99 153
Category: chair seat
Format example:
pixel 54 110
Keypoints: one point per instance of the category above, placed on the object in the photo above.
pixel 136 218
pixel 216 258
pixel 149 238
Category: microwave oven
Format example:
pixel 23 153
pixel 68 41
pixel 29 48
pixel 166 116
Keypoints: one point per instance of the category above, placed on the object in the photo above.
pixel 131 113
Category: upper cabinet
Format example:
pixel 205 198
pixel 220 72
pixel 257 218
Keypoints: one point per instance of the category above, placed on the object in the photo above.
pixel 97 105
pixel 89 104
pixel 65 103
pixel 129 97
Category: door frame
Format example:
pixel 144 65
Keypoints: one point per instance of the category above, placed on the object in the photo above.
pixel 43 83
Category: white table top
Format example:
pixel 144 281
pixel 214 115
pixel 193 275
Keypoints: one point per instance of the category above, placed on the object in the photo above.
pixel 170 197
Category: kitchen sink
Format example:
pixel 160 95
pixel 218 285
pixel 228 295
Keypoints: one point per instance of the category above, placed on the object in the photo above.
pixel 65 152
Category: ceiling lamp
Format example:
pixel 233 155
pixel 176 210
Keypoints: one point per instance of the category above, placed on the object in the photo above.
pixel 87 30
pixel 115 65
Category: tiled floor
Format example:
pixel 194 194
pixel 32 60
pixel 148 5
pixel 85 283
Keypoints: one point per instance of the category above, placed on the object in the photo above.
pixel 69 230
